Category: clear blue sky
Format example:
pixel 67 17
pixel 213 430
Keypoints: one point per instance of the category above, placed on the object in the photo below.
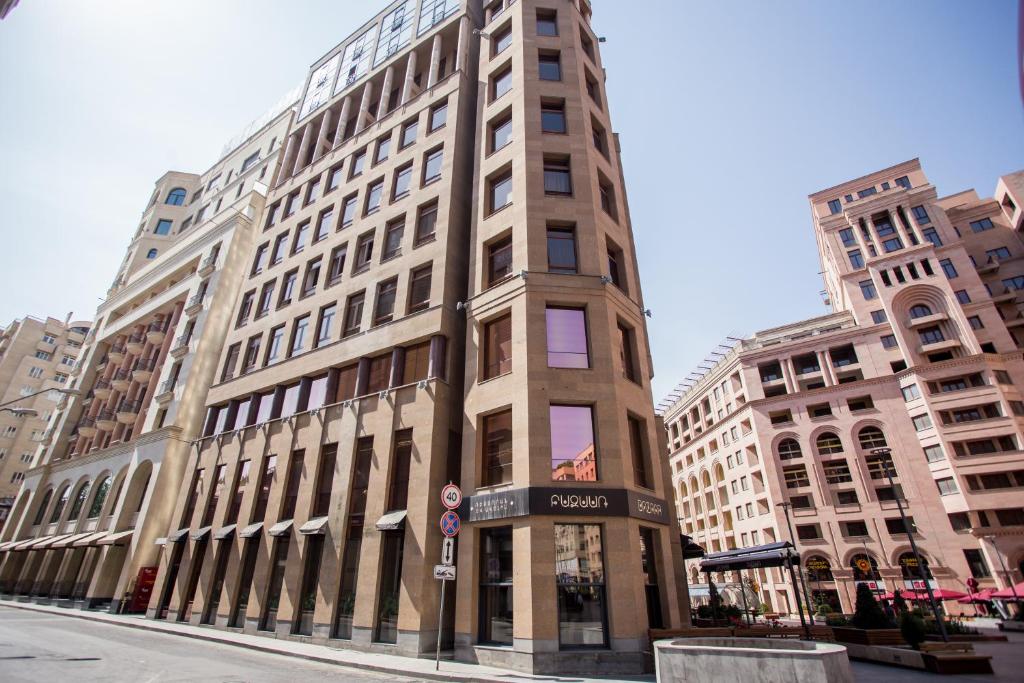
pixel 729 113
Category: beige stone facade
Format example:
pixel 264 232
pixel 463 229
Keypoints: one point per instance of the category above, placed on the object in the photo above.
pixel 445 262
pixel 36 356
pixel 86 521
pixel 921 355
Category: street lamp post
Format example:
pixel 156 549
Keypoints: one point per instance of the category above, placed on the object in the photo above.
pixel 883 454
pixel 800 569
pixel 991 538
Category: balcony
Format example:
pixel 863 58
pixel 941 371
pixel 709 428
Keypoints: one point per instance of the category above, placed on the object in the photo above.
pixel 136 343
pixel 105 420
pixel 102 389
pixel 208 265
pixel 156 331
pixel 165 393
pixel 121 381
pixel 117 354
pixel 128 411
pixel 928 319
pixel 76 369
pixel 180 347
pixel 143 369
pixel 195 304
pixel 102 364
pixel 939 345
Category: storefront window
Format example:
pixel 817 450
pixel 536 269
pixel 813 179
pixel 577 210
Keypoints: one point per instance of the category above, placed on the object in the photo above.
pixel 649 562
pixel 353 538
pixel 303 624
pixel 390 587
pixel 269 620
pixel 496 585
pixel 579 573
pixel 252 546
pixel 818 569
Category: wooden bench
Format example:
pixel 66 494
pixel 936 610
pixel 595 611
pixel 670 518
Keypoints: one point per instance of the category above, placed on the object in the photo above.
pixel 954 658
pixel 823 633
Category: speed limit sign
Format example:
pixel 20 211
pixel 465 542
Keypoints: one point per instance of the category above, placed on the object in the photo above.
pixel 451 496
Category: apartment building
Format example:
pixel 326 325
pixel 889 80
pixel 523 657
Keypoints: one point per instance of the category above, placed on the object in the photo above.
pixel 36 356
pixel 922 355
pixel 86 524
pixel 442 288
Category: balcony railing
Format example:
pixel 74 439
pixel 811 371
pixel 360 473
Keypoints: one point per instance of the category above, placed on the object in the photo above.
pixel 196 300
pixel 137 338
pixel 144 365
pixel 209 262
pixel 167 386
pixel 158 325
pixel 127 406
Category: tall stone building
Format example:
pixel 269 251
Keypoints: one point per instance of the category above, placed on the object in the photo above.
pixel 443 287
pixel 36 359
pixel 921 355
pixel 85 525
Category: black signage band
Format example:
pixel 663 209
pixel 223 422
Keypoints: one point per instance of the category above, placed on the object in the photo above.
pixel 544 500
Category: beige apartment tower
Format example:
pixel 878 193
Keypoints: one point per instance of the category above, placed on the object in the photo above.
pixel 442 287
pixel 922 356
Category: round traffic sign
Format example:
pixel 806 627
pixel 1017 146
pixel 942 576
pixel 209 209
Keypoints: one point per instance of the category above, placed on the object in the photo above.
pixel 450 523
pixel 451 496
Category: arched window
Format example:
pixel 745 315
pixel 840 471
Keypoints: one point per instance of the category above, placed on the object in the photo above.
pixel 828 443
pixel 76 507
pixel 101 497
pixel 864 567
pixel 919 311
pixel 151 253
pixel 871 437
pixel 908 565
pixel 705 479
pixel 61 502
pixel 719 473
pixel 42 507
pixel 818 569
pixel 176 197
pixel 789 449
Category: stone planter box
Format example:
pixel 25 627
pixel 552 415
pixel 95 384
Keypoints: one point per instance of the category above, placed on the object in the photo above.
pixel 874 636
pixel 752 660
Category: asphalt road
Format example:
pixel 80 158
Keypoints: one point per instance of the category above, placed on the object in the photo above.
pixel 43 647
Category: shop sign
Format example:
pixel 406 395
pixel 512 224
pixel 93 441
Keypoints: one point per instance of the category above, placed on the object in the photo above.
pixel 579 501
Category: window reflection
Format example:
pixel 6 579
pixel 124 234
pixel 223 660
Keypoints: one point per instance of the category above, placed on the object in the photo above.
pixel 573 456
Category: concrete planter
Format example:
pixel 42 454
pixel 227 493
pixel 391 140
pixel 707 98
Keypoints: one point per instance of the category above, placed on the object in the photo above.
pixel 874 636
pixel 751 660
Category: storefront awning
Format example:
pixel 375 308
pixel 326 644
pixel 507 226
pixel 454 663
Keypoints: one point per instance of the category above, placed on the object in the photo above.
pixel 317 525
pixel 117 538
pixel 391 521
pixel 25 543
pixel 9 544
pixel 45 543
pixel 281 528
pixel 178 535
pixel 202 533
pixel 769 555
pixel 224 532
pixel 65 542
pixel 89 539
pixel 251 530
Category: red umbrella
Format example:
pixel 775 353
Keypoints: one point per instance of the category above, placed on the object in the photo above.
pixel 1006 593
pixel 942 594
pixel 981 596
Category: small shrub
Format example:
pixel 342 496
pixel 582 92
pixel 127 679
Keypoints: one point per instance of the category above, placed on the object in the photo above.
pixel 912 629
pixel 823 610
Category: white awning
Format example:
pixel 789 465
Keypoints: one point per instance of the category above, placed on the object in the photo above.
pixel 251 530
pixel 117 538
pixel 317 525
pixel 177 535
pixel 45 543
pixel 224 532
pixel 281 528
pixel 65 542
pixel 199 534
pixel 89 539
pixel 391 521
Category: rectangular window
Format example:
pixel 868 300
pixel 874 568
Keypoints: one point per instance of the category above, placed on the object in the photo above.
pixel 976 563
pixel 384 309
pixel 904 182
pixel 312 277
pixel 259 262
pixel 496 585
pixel 353 313
pixel 438 116
pixel 501 133
pixel 393 232
pixel 323 224
pixel 498 347
pixel 364 252
pixel 628 355
pixel 268 619
pixel 280 244
pixel 501 83
pixel 358 164
pixel 616 265
pixel 567 338
pixel 287 288
pixel 500 191
pixel 383 149
pixel 373 196
pixel 982 225
pixel 274 347
pixel 547 23
pixel 497 446
pixel 263 493
pixel 947 486
pixel 573 456
pixel 834 206
pixel 333 179
pixel 639 450
pixel 557 176
pixel 499 261
pixel 337 264
pixel 552 116
pixel 299 331
pixel 562 249
pixel 580 579
pixel 867 288
pixel 878 316
pixel 502 40
pixel 419 288
pixel 312 190
pixel 230 362
pixel 948 268
pixel 408 134
pixel 889 341
pixel 353 536
pixel 920 215
pixel 432 166
pixel 934 453
pixel 932 235
pixel 245 309
pixel 324 325
pixel 252 354
pixel 379 374
pixel 402 181
pixel 348 210
pixel 163 227
pixel 426 224
pixel 847 237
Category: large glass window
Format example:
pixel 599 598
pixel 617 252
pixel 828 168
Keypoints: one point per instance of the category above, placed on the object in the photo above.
pixel 268 621
pixel 498 347
pixel 561 249
pixel 496 585
pixel 353 537
pixel 567 338
pixel 497 444
pixel 573 451
pixel 499 261
pixel 580 579
pixel 390 587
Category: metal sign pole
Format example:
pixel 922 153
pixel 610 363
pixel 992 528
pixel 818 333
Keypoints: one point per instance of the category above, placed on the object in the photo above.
pixel 440 625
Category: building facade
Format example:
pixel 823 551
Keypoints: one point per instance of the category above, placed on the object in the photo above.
pixel 35 356
pixel 922 355
pixel 86 523
pixel 442 288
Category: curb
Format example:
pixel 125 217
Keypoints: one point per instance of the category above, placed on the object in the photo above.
pixel 267 649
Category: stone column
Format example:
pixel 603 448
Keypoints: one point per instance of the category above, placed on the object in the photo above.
pixel 346 109
pixel 462 51
pixel 437 362
pixel 397 367
pixel 322 143
pixel 288 160
pixel 362 376
pixel 385 93
pixel 364 106
pixel 435 61
pixel 826 370
pixel 410 75
pixel 307 138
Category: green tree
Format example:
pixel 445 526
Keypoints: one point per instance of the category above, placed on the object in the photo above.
pixel 867 613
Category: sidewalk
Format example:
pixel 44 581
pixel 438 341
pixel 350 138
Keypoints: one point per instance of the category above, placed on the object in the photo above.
pixel 401 666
